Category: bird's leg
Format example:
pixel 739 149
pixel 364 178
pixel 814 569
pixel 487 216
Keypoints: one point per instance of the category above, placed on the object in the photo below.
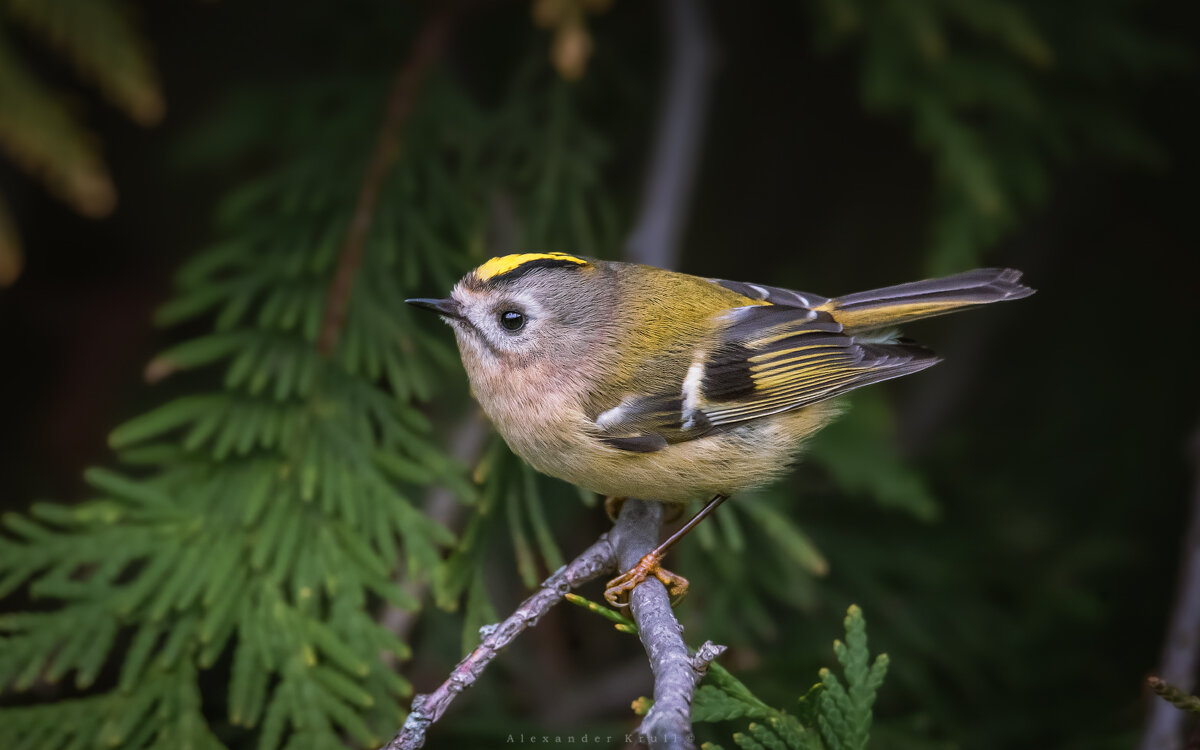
pixel 612 507
pixel 618 589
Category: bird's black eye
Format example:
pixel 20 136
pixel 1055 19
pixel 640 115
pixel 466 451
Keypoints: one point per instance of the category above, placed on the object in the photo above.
pixel 511 320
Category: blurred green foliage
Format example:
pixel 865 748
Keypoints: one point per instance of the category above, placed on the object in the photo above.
pixel 999 93
pixel 39 128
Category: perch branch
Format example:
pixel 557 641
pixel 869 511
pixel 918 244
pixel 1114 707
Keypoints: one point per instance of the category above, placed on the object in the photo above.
pixel 428 47
pixel 669 722
pixel 676 672
pixel 596 560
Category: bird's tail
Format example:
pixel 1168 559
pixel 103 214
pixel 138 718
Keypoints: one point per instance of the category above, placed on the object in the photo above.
pixel 896 305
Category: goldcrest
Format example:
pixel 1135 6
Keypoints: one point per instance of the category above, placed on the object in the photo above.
pixel 634 381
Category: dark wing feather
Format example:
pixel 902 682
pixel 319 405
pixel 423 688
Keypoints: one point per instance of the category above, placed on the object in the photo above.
pixel 774 359
pixel 776 295
pixel 638 443
pixel 771 358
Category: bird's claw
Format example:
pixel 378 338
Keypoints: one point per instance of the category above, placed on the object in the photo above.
pixel 618 589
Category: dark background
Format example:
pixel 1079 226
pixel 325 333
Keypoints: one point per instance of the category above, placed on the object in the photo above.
pixel 1059 435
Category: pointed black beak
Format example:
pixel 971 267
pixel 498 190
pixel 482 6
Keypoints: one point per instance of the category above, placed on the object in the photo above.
pixel 445 307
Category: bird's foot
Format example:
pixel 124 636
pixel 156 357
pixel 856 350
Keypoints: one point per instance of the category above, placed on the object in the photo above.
pixel 618 589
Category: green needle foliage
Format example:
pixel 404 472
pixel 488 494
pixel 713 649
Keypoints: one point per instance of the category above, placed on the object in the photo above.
pixel 831 716
pixel 844 712
pixel 260 521
pixel 263 518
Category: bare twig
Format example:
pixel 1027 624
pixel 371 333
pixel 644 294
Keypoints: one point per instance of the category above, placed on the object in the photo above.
pixel 676 672
pixel 1164 727
pixel 634 534
pixel 704 656
pixel 596 560
pixel 675 154
pixel 403 96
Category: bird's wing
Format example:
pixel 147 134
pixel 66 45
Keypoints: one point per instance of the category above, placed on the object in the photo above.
pixel 774 358
pixel 775 295
pixel 766 359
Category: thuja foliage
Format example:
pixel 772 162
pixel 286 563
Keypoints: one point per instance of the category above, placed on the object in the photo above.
pixel 830 716
pixel 264 517
pixel 259 521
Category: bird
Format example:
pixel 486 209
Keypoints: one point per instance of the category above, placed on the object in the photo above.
pixel 635 381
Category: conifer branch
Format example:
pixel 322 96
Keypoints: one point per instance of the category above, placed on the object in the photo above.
pixel 428 47
pixel 676 671
pixel 467 441
pixel 595 561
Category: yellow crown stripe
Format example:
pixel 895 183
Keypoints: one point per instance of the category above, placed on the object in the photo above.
pixel 506 263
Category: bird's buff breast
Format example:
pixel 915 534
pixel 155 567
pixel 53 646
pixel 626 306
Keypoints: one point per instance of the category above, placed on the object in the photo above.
pixel 723 463
pixel 546 425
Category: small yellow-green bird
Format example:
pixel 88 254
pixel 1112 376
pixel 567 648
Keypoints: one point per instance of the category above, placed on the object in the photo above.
pixel 634 381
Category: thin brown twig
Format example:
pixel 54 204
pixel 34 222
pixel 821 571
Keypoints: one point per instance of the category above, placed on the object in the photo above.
pixel 402 98
pixel 596 560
